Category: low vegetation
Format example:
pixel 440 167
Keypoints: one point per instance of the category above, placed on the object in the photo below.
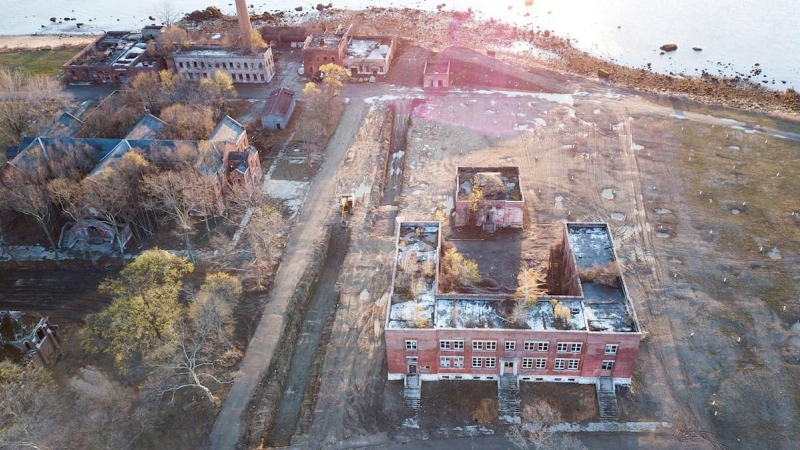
pixel 457 271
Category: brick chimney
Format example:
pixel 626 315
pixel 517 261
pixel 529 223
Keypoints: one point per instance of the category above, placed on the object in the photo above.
pixel 245 29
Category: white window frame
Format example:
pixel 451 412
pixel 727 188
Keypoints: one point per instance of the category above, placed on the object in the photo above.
pixel 477 345
pixel 527 363
pixel 611 349
pixel 573 364
pixel 490 346
pixel 541 363
pixel 560 364
pixel 608 365
pixel 477 362
pixel 542 346
pixel 575 347
pixel 491 362
pixel 529 346
pixel 411 345
pixel 458 362
pixel 451 345
pixel 444 362
pixel 511 346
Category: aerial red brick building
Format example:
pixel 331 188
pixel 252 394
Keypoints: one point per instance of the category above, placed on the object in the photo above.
pixel 477 337
pixel 488 197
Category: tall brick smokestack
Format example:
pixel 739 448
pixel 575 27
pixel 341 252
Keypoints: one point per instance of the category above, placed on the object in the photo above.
pixel 245 29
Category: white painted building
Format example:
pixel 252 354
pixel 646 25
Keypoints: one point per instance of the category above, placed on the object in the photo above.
pixel 198 63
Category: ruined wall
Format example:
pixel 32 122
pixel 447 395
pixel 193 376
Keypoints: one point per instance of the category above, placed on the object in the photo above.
pixel 504 214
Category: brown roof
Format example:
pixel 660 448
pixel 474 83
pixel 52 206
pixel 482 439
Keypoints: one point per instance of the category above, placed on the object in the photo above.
pixel 279 102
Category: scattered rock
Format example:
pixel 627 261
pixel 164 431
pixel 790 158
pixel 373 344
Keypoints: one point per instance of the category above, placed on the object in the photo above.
pixel 697 49
pixel 151 17
pixel 53 19
pixel 669 47
pixel 299 8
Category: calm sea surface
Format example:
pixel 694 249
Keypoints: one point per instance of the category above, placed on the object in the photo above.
pixel 735 35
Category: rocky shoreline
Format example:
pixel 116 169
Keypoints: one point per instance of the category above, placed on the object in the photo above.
pixel 525 48
pixel 439 30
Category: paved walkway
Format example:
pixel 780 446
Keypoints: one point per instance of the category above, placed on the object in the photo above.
pixel 229 427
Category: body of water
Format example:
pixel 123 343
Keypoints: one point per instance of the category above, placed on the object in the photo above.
pixel 735 35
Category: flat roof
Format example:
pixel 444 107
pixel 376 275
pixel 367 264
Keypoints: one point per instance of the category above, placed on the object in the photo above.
pixel 497 183
pixel 323 41
pixel 361 48
pixel 416 303
pixel 435 67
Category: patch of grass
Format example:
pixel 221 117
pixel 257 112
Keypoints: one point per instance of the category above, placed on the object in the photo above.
pixel 38 62
pixel 293 170
pixel 744 178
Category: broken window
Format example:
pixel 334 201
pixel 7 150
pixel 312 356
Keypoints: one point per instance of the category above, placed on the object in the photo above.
pixel 411 345
pixel 608 365
pixel 444 361
pixel 572 364
pixel 458 362
pixel 611 349
pixel 527 363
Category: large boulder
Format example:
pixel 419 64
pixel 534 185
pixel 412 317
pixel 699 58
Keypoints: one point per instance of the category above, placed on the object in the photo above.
pixel 669 47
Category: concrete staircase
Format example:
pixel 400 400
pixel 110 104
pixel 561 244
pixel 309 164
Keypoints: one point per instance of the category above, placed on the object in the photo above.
pixel 606 398
pixel 412 391
pixel 508 399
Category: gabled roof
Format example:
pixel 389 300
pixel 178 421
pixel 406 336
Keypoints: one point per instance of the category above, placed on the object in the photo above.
pixel 279 102
pixel 148 127
pixel 66 125
pixel 227 130
pixel 98 148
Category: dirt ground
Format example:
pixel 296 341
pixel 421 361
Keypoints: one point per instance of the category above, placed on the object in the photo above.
pixel 714 363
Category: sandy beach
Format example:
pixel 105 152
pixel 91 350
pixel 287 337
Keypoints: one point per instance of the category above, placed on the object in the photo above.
pixel 29 42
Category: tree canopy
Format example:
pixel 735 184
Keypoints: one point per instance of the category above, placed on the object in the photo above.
pixel 143 309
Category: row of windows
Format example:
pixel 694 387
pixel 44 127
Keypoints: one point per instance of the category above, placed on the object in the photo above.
pixel 325 58
pixel 478 362
pixel 536 346
pixel 242 77
pixel 203 65
pixel 456 362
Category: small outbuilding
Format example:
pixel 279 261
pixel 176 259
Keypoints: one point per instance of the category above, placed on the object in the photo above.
pixel 279 108
pixel 436 74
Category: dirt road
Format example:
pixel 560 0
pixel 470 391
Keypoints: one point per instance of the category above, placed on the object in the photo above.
pixel 317 315
pixel 314 214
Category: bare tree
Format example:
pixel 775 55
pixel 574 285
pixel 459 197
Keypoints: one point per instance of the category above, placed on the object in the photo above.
pixel 29 407
pixel 167 13
pixel 115 196
pixel 262 233
pixel 25 193
pixel 536 433
pixel 170 194
pixel 188 121
pixel 27 103
pixel 201 351
pixel 216 91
